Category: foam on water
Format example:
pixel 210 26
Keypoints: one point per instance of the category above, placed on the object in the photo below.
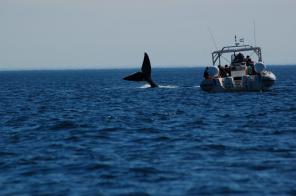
pixel 168 86
pixel 145 86
pixel 160 86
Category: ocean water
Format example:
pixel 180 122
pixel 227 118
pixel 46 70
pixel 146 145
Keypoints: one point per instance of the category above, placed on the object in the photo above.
pixel 91 133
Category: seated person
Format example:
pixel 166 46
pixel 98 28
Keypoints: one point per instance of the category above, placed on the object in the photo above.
pixel 222 71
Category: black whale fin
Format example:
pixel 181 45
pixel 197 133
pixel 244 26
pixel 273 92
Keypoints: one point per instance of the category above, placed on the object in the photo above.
pixel 144 74
pixel 138 76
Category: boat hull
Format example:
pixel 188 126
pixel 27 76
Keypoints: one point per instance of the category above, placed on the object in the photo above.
pixel 262 82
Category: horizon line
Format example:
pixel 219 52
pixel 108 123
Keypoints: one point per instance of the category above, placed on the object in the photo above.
pixel 56 68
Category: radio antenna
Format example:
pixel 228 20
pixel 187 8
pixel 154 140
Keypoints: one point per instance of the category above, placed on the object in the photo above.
pixel 213 38
pixel 215 44
pixel 254 28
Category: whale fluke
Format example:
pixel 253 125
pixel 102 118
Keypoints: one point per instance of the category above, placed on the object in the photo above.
pixel 144 74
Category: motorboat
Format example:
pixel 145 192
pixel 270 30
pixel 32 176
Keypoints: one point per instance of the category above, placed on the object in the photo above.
pixel 242 73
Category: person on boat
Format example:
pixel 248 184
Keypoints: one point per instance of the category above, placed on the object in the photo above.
pixel 227 70
pixel 253 69
pixel 250 66
pixel 240 57
pixel 235 60
pixel 206 73
pixel 249 61
pixel 222 71
pixel 248 70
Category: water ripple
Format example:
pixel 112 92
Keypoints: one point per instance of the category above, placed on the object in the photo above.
pixel 89 132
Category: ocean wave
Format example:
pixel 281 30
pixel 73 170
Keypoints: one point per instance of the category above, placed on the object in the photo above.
pixel 88 132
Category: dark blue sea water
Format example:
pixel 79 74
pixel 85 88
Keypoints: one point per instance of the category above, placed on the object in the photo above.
pixel 91 133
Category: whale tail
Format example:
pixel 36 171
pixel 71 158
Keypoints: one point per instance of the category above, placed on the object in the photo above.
pixel 144 74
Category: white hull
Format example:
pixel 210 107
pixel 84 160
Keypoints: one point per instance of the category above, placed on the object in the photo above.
pixel 261 82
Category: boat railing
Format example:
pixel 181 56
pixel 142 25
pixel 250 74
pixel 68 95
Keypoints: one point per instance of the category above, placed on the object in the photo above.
pixel 216 55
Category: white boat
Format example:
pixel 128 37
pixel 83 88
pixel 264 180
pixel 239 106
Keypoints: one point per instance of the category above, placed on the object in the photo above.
pixel 242 74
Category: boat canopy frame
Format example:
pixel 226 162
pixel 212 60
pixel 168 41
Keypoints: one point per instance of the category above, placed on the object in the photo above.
pixel 216 55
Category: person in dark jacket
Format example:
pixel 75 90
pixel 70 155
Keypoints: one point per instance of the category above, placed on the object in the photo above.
pixel 240 57
pixel 222 71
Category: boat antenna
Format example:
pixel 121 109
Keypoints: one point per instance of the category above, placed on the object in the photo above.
pixel 213 38
pixel 254 33
pixel 215 44
pixel 235 40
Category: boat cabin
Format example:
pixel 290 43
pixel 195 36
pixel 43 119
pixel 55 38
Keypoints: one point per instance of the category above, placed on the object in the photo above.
pixel 240 63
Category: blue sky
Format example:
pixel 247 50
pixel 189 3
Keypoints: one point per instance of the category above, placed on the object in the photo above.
pixel 59 34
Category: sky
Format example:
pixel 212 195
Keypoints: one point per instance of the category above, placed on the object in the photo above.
pixel 62 34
